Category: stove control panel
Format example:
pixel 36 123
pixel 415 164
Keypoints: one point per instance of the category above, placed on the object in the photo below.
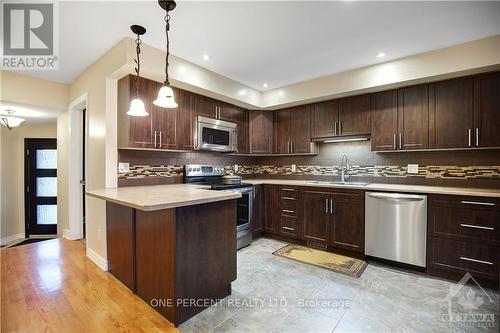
pixel 197 170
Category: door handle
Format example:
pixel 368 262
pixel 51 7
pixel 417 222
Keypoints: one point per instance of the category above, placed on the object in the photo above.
pixel 476 226
pixel 478 203
pixel 335 128
pixel 82 182
pixel 331 206
pixel 394 141
pixel 155 139
pixel 161 138
pixel 477 137
pixel 470 138
pixel 326 205
pixel 288 228
pixel 476 260
pixel 340 127
pixel 400 141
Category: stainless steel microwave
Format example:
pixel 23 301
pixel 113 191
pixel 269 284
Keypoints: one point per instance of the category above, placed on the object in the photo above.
pixel 217 135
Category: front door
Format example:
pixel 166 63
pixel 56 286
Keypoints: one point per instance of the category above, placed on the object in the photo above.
pixel 40 186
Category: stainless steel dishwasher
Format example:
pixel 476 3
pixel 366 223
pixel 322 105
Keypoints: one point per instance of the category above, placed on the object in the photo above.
pixel 396 227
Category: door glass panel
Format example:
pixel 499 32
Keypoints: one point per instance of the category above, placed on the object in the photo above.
pixel 215 136
pixel 243 209
pixel 46 186
pixel 46 159
pixel 46 214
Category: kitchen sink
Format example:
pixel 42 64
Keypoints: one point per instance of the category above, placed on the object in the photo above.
pixel 338 182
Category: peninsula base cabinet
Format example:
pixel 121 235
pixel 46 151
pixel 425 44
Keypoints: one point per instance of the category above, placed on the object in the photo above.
pixel 464 237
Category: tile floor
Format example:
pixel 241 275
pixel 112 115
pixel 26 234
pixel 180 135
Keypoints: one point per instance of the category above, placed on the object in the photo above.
pixel 274 294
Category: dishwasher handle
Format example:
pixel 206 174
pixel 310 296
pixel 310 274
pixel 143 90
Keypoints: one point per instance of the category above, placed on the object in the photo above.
pixel 397 197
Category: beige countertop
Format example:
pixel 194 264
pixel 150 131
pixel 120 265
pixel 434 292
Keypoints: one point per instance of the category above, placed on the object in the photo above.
pixel 426 189
pixel 162 196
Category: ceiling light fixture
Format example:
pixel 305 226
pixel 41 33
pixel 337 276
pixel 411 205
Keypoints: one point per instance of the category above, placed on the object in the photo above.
pixel 381 55
pixel 9 121
pixel 265 85
pixel 166 94
pixel 206 57
pixel 137 108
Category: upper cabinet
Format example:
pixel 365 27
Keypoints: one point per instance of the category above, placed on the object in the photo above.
pixel 384 120
pixel 413 118
pixel 451 114
pixel 292 131
pixel 211 108
pixel 345 117
pixel 241 120
pixel 487 110
pixel 260 127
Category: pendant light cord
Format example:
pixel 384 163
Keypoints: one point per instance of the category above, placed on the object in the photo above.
pixel 138 62
pixel 167 28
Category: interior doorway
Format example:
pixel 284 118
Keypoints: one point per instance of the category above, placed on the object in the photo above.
pixel 83 175
pixel 40 165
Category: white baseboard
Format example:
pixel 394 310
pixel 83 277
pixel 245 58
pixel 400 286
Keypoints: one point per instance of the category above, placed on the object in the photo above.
pixel 66 234
pixel 11 238
pixel 97 259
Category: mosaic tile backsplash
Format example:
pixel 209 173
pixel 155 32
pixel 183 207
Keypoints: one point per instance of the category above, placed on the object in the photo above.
pixel 441 172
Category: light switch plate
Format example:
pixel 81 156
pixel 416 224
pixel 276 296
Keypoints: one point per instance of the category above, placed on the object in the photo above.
pixel 294 168
pixel 412 168
pixel 123 167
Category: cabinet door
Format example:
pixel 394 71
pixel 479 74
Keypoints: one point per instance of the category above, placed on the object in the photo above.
pixel 487 110
pixel 166 122
pixel 204 106
pixel 282 132
pixel 323 119
pixel 142 128
pixel 316 215
pixel 261 132
pixel 347 227
pixel 226 111
pixel 271 203
pixel 413 118
pixel 384 120
pixel 300 129
pixel 257 216
pixel 185 120
pixel 241 120
pixel 450 114
pixel 354 115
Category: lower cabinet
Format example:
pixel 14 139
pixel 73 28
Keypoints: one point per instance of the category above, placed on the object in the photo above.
pixel 463 237
pixel 290 225
pixel 257 210
pixel 271 210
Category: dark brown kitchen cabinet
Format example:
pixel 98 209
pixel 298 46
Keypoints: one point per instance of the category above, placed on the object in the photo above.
pixel 384 120
pixel 290 198
pixel 316 216
pixel 292 131
pixel 185 120
pixel 347 228
pixel 260 127
pixel 257 211
pixel 241 120
pixel 324 118
pixel 463 236
pixel 400 119
pixel 271 203
pixel 487 110
pixel 211 108
pixel 451 114
pixel 354 115
pixel 166 124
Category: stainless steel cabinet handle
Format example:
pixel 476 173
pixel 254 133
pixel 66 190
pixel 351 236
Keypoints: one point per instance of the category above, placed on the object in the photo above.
pixel 288 211
pixel 397 196
pixel 394 141
pixel 400 141
pixel 287 198
pixel 335 128
pixel 292 146
pixel 340 127
pixel 326 206
pixel 288 228
pixel 478 261
pixel 288 189
pixel 331 206
pixel 288 146
pixel 161 138
pixel 470 137
pixel 476 226
pixel 478 203
pixel 477 137
pixel 155 139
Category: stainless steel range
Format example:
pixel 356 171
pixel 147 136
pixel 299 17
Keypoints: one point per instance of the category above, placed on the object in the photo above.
pixel 213 175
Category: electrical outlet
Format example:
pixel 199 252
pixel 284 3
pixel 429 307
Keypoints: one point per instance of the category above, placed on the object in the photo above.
pixel 412 168
pixel 236 167
pixel 123 167
pixel 294 168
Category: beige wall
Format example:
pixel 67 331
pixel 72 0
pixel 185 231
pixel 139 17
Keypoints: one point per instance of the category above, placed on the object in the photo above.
pixel 12 173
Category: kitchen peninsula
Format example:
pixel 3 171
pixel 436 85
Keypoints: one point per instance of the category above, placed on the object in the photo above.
pixel 172 245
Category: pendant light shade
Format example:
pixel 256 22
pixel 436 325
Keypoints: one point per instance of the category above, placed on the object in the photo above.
pixel 165 98
pixel 9 121
pixel 137 108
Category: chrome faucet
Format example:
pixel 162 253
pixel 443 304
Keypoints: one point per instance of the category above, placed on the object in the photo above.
pixel 343 176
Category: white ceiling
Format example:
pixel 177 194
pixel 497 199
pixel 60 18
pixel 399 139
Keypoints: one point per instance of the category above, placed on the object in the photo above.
pixel 278 43
pixel 31 114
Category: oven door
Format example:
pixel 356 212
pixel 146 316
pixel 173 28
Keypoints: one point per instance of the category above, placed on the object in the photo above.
pixel 218 135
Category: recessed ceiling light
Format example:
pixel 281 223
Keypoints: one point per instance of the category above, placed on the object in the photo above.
pixel 265 85
pixel 206 57
pixel 380 55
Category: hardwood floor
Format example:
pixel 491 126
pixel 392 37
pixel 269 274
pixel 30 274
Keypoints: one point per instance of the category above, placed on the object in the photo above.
pixel 52 286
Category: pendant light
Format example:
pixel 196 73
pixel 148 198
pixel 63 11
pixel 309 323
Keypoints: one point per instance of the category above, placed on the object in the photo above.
pixel 166 94
pixel 9 121
pixel 137 108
